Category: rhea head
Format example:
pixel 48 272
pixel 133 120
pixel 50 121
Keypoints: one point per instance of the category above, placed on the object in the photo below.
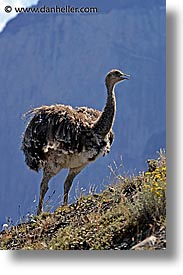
pixel 115 76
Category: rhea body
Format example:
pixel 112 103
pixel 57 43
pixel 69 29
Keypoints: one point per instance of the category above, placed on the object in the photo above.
pixel 59 136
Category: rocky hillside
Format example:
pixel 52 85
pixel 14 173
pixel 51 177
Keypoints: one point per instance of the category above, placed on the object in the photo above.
pixel 129 214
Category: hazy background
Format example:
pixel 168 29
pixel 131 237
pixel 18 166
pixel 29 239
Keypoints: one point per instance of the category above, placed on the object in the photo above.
pixel 56 58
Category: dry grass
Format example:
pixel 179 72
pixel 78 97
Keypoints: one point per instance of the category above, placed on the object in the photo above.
pixel 123 215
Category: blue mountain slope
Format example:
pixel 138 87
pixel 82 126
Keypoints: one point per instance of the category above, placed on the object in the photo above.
pixel 54 58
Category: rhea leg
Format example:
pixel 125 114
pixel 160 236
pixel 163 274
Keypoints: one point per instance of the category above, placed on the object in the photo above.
pixel 73 172
pixel 43 190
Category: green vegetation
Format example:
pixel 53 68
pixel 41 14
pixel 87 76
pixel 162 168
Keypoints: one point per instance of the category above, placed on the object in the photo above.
pixel 120 217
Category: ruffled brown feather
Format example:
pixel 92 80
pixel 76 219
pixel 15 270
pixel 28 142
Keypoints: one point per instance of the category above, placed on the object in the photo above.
pixel 61 128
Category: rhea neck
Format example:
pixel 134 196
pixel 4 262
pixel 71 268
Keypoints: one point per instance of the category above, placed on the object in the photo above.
pixel 106 120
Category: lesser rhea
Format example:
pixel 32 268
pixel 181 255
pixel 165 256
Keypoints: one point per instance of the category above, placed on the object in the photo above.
pixel 60 136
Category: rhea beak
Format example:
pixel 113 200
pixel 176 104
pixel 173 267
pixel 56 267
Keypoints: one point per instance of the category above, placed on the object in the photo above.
pixel 125 76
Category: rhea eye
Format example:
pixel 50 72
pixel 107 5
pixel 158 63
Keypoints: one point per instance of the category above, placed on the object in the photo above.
pixel 118 74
